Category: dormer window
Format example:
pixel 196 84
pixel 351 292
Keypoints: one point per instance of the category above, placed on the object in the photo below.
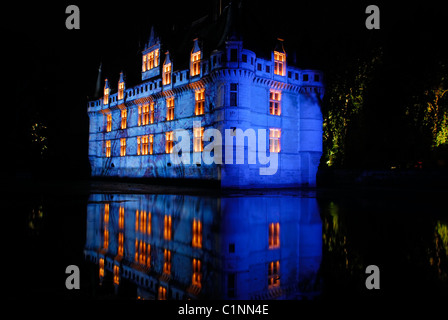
pixel 121 87
pixel 167 74
pixel 120 90
pixel 279 63
pixel 195 63
pixel 195 60
pixel 150 60
pixel 106 92
pixel 167 70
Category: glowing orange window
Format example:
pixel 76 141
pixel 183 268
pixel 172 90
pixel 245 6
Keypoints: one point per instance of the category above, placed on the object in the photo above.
pixel 274 103
pixel 195 64
pixel 169 142
pixel 274 140
pixel 279 63
pixel 199 102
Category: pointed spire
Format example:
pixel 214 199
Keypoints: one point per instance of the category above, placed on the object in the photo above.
pixel 98 82
pixel 121 77
pixel 153 38
pixel 195 46
pixel 279 46
pixel 167 58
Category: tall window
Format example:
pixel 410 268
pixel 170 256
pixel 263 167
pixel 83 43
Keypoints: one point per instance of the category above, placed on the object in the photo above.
pixel 199 102
pixel 274 235
pixel 169 142
pixel 167 74
pixel 151 144
pixel 169 109
pixel 124 117
pixel 108 148
pixel 274 103
pixel 122 147
pixel 233 94
pixel 167 261
pixel 197 234
pixel 139 144
pixel 151 112
pixel 109 122
pixel 198 144
pixel 106 93
pixel 274 140
pixel 197 275
pixel 195 64
pixel 273 274
pixel 279 63
pixel 145 144
pixel 120 90
pixel 145 115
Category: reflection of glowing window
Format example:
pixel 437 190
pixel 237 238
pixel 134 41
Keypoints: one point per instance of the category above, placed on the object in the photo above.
pixel 273 274
pixel 197 275
pixel 279 63
pixel 169 142
pixel 106 226
pixel 109 122
pixel 169 109
pixel 274 140
pixel 199 102
pixel 274 103
pixel 167 261
pixel 108 152
pixel 197 234
pixel 120 243
pixel 142 229
pixel 167 227
pixel 162 293
pixel 274 235
pixel 121 217
pixel 116 274
pixel 101 267
pixel 198 144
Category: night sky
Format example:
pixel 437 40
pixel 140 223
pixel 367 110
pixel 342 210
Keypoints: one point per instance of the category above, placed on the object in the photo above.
pixel 53 70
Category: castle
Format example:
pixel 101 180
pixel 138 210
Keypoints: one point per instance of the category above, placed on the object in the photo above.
pixel 224 86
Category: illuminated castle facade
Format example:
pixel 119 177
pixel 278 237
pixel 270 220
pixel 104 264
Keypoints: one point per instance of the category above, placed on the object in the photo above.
pixel 228 87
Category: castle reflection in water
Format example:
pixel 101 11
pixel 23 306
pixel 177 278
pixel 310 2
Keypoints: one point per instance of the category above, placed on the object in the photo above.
pixel 189 247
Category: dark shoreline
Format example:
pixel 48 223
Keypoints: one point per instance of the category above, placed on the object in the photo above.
pixel 343 183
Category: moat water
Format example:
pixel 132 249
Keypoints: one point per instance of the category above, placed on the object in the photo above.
pixel 291 244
